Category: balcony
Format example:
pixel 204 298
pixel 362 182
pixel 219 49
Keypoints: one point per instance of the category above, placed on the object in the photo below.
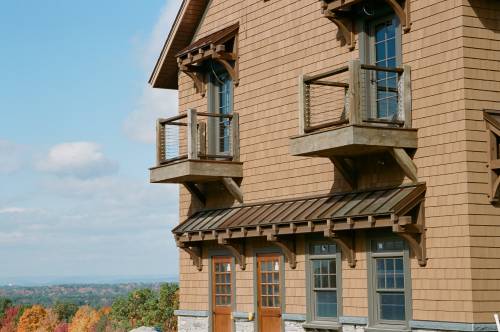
pixel 356 110
pixel 196 147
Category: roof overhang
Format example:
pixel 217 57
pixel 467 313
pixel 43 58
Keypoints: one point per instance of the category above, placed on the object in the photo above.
pixel 165 72
pixel 335 216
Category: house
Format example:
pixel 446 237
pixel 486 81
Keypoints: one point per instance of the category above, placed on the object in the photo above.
pixel 339 163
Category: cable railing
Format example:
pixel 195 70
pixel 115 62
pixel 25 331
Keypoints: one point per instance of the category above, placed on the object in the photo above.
pixel 197 136
pixel 356 94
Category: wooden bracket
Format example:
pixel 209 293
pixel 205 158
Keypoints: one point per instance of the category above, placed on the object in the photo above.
pixel 233 188
pixel 198 80
pixel 344 241
pixel 403 13
pixel 231 71
pixel 196 192
pixel 405 162
pixel 194 254
pixel 347 170
pixel 236 249
pixel 288 248
pixel 413 233
pixel 345 26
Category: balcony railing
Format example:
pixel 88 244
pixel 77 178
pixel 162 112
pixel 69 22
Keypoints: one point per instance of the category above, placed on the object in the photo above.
pixel 356 94
pixel 197 136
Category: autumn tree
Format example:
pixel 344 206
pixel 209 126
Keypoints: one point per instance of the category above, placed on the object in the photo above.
pixel 62 327
pixel 85 320
pixel 32 319
pixel 4 304
pixel 9 321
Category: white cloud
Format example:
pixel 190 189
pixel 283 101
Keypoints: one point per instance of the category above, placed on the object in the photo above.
pixel 10 157
pixel 153 103
pixel 80 159
pixel 10 210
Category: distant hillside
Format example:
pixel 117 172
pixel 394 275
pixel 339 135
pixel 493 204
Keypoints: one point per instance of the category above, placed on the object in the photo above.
pixel 96 295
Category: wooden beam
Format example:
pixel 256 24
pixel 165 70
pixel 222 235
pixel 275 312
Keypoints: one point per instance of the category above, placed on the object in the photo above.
pixel 347 170
pixel 235 136
pixel 288 248
pixel 237 249
pixel 160 142
pixel 303 105
pixel 405 95
pixel 202 138
pixel 196 192
pixel 233 188
pixel 414 233
pixel 405 162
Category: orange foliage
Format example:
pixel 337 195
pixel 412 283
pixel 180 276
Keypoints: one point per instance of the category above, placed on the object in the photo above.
pixel 32 319
pixel 49 323
pixel 84 320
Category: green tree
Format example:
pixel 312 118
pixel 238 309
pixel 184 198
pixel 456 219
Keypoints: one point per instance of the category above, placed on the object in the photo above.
pixel 4 304
pixel 65 310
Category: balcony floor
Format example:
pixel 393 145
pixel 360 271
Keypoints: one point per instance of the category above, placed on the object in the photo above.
pixel 352 140
pixel 196 171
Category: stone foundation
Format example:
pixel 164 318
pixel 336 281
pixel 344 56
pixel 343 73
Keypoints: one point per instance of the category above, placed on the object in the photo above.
pixel 192 324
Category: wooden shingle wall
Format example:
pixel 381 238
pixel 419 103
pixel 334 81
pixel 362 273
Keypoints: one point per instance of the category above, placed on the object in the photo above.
pixel 453 49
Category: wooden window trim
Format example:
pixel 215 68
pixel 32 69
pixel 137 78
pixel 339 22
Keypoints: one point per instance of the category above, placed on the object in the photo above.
pixel 374 323
pixel 311 319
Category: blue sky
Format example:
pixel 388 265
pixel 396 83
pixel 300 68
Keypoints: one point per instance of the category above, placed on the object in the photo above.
pixel 77 137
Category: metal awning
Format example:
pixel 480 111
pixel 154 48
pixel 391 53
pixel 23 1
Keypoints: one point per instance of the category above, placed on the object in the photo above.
pixel 399 208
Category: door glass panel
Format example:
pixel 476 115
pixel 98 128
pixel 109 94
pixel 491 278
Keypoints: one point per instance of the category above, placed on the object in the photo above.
pixel 270 289
pixel 222 271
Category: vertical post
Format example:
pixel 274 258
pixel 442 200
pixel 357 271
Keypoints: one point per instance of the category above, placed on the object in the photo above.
pixel 303 106
pixel 354 92
pixel 235 136
pixel 160 142
pixel 202 138
pixel 405 95
pixel 192 134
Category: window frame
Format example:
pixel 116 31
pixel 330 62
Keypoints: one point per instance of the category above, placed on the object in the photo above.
pixel 311 316
pixel 213 106
pixel 366 54
pixel 374 322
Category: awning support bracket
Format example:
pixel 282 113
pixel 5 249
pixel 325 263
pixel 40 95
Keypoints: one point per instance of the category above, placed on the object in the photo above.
pixel 345 26
pixel 413 233
pixel 344 241
pixel 288 248
pixel 195 253
pixel 237 249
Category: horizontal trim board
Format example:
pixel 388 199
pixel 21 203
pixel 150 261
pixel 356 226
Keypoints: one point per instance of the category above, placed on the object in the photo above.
pixel 294 317
pixel 241 315
pixel 191 313
pixel 451 326
pixel 355 320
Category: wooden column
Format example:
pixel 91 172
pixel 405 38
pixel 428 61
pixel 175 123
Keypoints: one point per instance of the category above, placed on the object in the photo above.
pixel 160 142
pixel 235 136
pixel 354 92
pixel 192 134
pixel 303 108
pixel 405 95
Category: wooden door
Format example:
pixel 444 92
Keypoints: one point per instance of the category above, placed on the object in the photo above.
pixel 269 292
pixel 222 290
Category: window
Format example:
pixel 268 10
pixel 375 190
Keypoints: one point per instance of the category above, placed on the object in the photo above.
pixel 382 48
pixel 389 281
pixel 220 102
pixel 323 282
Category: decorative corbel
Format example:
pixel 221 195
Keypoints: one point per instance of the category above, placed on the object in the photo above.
pixel 413 233
pixel 288 248
pixel 344 241
pixel 198 80
pixel 237 249
pixel 403 13
pixel 194 253
pixel 345 26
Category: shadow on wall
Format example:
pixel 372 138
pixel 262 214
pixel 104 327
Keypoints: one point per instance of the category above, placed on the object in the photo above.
pixel 488 12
